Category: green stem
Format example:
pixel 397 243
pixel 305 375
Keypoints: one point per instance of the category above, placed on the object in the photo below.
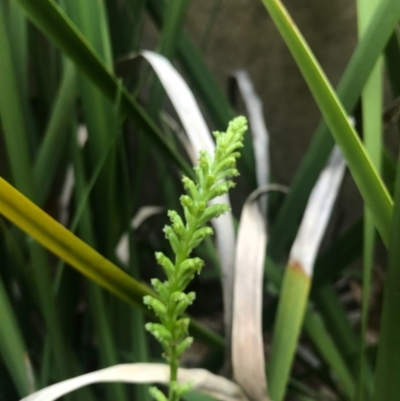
pixel 173 365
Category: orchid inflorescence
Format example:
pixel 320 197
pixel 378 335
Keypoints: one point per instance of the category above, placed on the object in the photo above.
pixel 212 179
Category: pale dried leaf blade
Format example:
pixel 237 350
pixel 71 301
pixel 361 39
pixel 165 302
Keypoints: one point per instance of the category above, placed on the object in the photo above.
pixel 318 211
pixel 258 128
pixel 247 340
pixel 203 381
pixel 183 101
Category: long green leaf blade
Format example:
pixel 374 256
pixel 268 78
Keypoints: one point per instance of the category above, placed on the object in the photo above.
pixel 31 219
pixel 349 90
pixel 372 189
pixel 51 19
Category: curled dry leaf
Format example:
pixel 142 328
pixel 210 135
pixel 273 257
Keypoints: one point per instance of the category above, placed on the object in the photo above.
pixel 247 340
pixel 203 381
pixel 258 129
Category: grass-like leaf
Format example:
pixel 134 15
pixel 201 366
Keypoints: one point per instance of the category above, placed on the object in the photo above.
pixel 372 105
pixel 349 89
pixel 51 19
pixel 31 219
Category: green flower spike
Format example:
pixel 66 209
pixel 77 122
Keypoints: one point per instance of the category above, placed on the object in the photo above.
pixel 213 179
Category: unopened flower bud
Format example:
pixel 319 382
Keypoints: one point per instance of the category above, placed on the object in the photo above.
pixel 157 394
pixel 161 288
pixel 173 239
pixel 155 304
pixel 166 263
pixel 159 331
pixel 230 172
pixel 220 189
pixel 177 223
pixel 182 301
pixel 182 326
pixel 199 235
pixel 191 265
pixel 184 345
pixel 227 163
pixel 212 212
pixel 190 186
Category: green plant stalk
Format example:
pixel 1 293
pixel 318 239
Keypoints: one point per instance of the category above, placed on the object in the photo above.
pixel 366 177
pixel 185 234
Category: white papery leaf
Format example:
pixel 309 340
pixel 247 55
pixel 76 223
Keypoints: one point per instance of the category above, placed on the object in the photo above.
pixel 258 129
pixel 247 337
pixel 317 214
pixel 203 381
